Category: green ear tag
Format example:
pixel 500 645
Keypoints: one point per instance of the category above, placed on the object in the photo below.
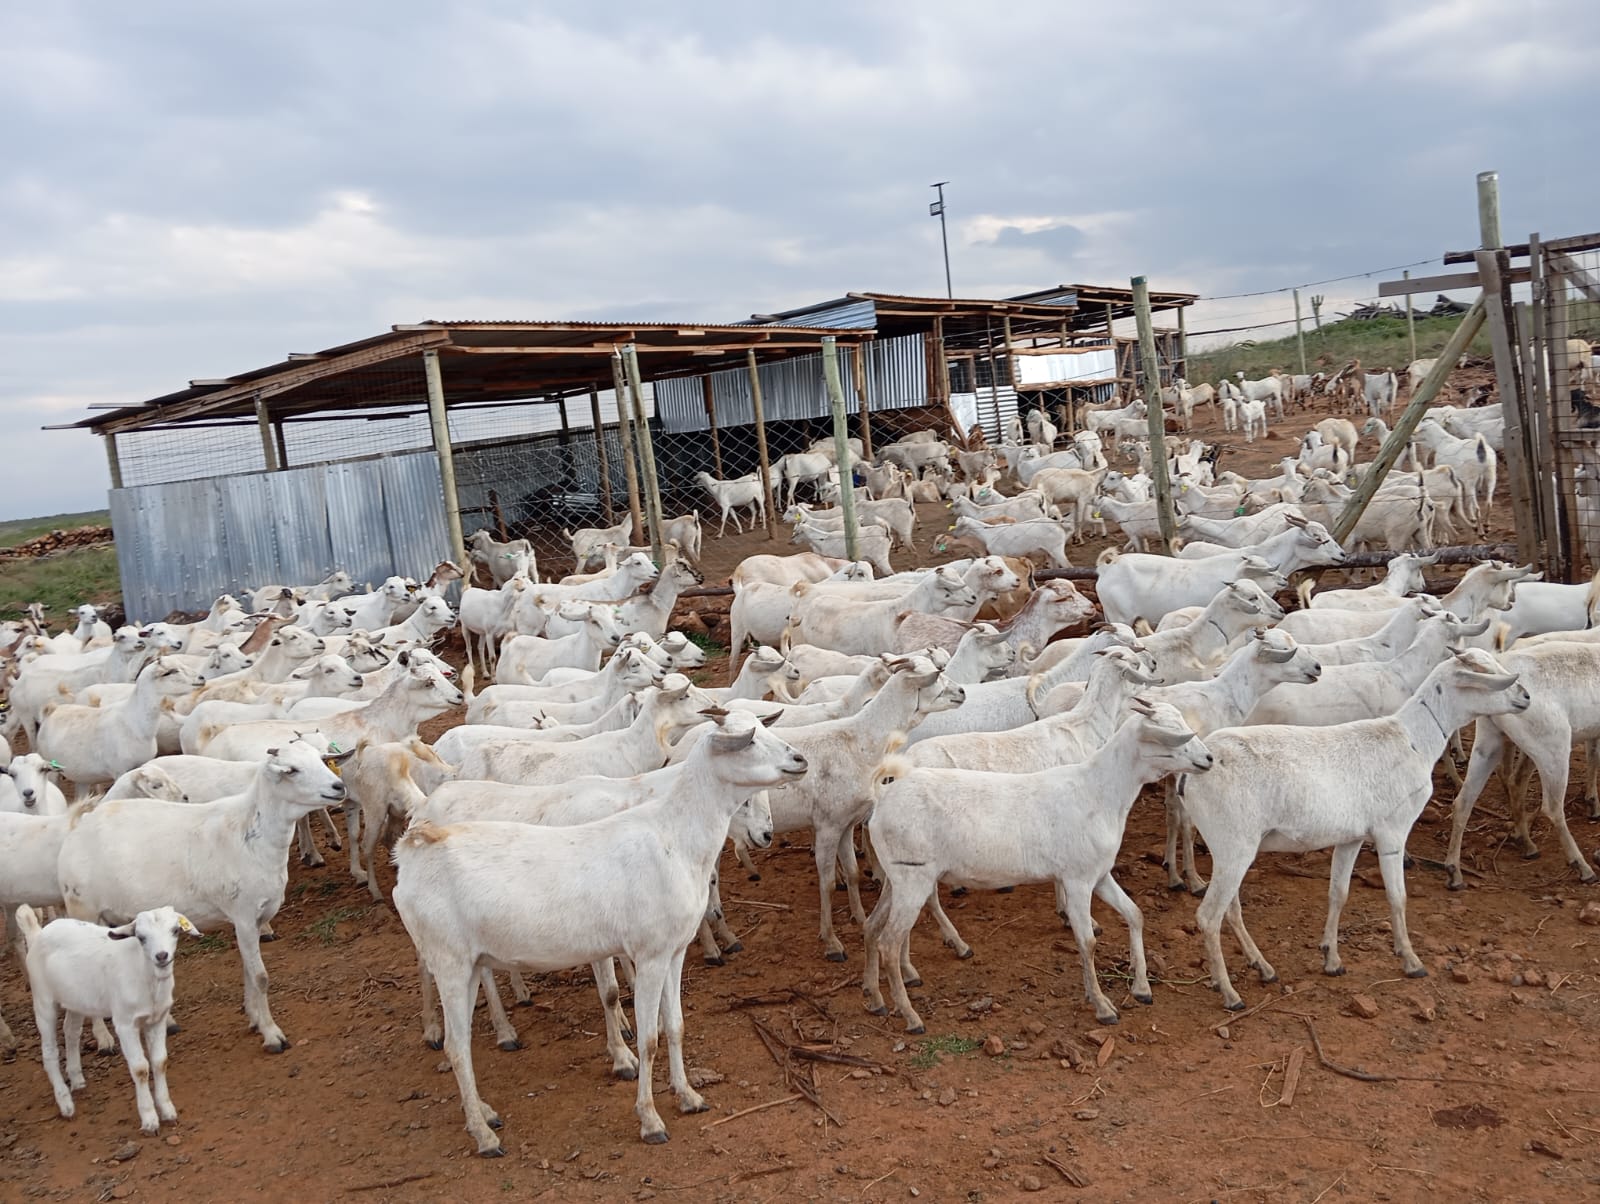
pixel 1239 512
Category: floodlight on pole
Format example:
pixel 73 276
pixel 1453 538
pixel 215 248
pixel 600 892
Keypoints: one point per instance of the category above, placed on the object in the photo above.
pixel 936 209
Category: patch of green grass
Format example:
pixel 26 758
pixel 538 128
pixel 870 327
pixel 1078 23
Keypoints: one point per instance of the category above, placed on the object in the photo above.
pixel 211 942
pixel 19 530
pixel 707 644
pixel 927 1055
pixel 61 582
pixel 326 929
pixel 1379 343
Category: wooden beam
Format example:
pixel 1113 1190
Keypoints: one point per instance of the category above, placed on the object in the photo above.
pixel 1156 414
pixel 625 427
pixel 601 453
pixel 1442 284
pixel 113 463
pixel 1573 242
pixel 760 417
pixel 440 423
pixel 709 399
pixel 650 479
pixel 858 368
pixel 269 445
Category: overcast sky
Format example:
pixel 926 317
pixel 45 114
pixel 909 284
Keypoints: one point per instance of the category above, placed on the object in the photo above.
pixel 189 190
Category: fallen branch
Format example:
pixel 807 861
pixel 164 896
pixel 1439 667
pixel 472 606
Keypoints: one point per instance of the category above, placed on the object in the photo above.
pixel 1076 1178
pixel 1366 1076
pixel 771 1103
pixel 388 1183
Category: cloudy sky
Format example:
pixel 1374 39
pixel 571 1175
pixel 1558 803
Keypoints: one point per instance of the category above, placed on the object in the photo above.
pixel 189 189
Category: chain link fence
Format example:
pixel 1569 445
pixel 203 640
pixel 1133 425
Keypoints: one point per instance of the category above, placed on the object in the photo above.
pixel 1566 325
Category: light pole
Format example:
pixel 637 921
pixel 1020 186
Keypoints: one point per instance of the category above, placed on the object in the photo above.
pixel 936 209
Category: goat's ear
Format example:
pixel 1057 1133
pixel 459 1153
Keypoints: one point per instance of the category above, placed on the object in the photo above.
pixel 272 752
pixel 185 926
pixel 121 933
pixel 769 720
pixel 403 657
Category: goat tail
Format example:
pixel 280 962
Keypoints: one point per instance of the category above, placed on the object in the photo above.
pixel 28 923
pixel 468 679
pixel 420 834
pixel 889 770
pixel 1483 450
pixel 1303 592
pixel 1109 556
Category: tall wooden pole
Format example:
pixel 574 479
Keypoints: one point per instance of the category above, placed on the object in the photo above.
pixel 283 447
pixel 761 440
pixel 1299 332
pixel 710 401
pixel 113 463
pixel 1411 319
pixel 601 454
pixel 1157 423
pixel 858 367
pixel 269 444
pixel 1182 366
pixel 440 423
pixel 841 443
pixel 625 428
pixel 647 451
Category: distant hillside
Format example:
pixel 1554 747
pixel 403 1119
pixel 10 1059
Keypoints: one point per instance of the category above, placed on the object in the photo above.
pixel 1378 343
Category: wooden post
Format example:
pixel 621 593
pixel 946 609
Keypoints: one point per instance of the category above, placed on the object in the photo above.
pixel 647 451
pixel 994 382
pixel 447 465
pixel 1011 375
pixel 625 429
pixel 841 443
pixel 1471 323
pixel 1299 331
pixel 269 445
pixel 113 464
pixel 283 447
pixel 941 368
pixel 1542 443
pixel 1157 423
pixel 601 454
pixel 711 417
pixel 761 439
pixel 1494 269
pixel 1411 319
pixel 1182 366
pixel 858 366
pixel 1536 379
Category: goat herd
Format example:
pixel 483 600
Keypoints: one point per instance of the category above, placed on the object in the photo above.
pixel 578 815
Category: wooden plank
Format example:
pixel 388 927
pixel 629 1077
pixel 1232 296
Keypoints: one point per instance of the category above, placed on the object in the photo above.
pixel 619 389
pixel 1156 413
pixel 1573 242
pixel 1497 305
pixel 708 398
pixel 858 368
pixel 601 454
pixel 758 413
pixel 1543 467
pixel 1442 284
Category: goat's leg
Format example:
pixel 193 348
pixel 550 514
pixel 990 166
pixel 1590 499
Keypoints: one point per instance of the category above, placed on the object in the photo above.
pixel 1554 762
pixel 139 1070
pixel 248 936
pixel 852 874
pixel 871 985
pixel 689 1100
pixel 623 1064
pixel 1110 892
pixel 505 1033
pixel 1488 750
pixel 901 916
pixel 155 1035
pixel 1228 869
pixel 648 988
pixel 44 1016
pixel 457 985
pixel 1175 821
pixel 825 851
pixel 1391 848
pixel 948 929
pixel 353 831
pixel 1078 895
pixel 1252 952
pixel 1344 863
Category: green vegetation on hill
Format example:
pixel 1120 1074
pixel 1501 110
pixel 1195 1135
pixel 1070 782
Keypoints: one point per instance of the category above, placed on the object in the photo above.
pixel 1378 343
pixel 20 530
pixel 61 581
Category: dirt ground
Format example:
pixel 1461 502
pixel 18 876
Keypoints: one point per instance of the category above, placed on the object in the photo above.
pixel 1477 1082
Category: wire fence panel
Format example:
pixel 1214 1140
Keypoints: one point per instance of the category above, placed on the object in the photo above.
pixel 1565 374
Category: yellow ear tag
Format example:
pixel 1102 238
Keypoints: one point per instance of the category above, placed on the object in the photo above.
pixel 337 771
pixel 183 923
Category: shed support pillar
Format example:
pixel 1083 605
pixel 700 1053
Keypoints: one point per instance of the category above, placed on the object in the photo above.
pixel 113 464
pixel 269 442
pixel 447 464
pixel 601 454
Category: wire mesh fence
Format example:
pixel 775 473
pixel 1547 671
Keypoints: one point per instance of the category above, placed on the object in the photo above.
pixel 1566 324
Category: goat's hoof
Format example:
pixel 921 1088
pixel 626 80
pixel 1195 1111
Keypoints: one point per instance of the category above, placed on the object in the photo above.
pixel 1234 1007
pixel 1419 972
pixel 880 1010
pixel 1336 972
pixel 754 878
pixel 836 955
pixel 1408 862
pixel 1098 930
pixel 494 1151
pixel 627 1035
pixel 494 1121
pixel 1177 886
pixel 1268 979
pixel 1199 892
pixel 1004 890
pixel 510 1046
pixel 918 1030
pixel 1456 884
pixel 1530 854
pixel 279 1046
pixel 627 1074
pixel 958 892
pixel 965 954
pixel 266 937
pixel 736 947
pixel 524 1003
pixel 913 982
pixel 1111 1019
pixel 1147 998
pixel 655 1139
pixel 716 961
pixel 840 886
pixel 439 1044
pixel 173 1028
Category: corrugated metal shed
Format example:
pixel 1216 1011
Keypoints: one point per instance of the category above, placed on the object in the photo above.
pixel 181 544
pixel 793 389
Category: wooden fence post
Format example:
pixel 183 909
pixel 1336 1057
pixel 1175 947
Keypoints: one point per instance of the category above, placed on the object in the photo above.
pixel 1157 424
pixel 647 451
pixel 841 443
pixel 1299 332
pixel 601 454
pixel 759 413
pixel 269 445
pixel 710 400
pixel 447 465
pixel 1471 323
pixel 1411 320
pixel 113 461
pixel 625 428
pixel 858 367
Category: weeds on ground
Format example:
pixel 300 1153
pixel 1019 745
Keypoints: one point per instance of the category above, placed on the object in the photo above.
pixel 927 1055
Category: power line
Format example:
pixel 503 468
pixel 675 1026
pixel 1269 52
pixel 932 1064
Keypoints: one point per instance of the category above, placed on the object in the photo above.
pixel 1314 283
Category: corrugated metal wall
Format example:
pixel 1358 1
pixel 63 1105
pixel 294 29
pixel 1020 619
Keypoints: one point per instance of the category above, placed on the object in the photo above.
pixel 792 389
pixel 181 544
